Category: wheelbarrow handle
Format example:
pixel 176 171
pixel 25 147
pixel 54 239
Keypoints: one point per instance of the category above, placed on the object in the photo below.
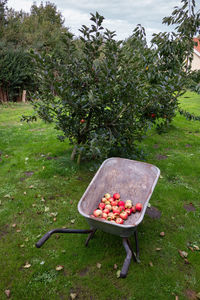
pixel 60 230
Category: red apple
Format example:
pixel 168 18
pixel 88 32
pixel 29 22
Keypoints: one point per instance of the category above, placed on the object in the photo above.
pixel 129 211
pixel 103 199
pixel 82 121
pixel 102 205
pixel 128 204
pixel 108 206
pixel 138 206
pixel 133 209
pixel 107 202
pixel 121 208
pixel 114 203
pixel 116 196
pixel 97 213
pixel 107 196
pixel 106 211
pixel 111 199
pixel 121 203
pixel 104 215
pixel 116 210
pixel 123 215
pixel 111 216
pixel 119 221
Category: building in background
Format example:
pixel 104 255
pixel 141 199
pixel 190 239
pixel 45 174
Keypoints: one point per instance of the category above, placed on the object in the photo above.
pixel 196 55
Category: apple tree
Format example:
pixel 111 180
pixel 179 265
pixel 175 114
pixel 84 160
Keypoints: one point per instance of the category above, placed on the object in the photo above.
pixel 105 94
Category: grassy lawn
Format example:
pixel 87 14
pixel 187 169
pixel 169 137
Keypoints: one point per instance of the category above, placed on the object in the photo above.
pixel 40 189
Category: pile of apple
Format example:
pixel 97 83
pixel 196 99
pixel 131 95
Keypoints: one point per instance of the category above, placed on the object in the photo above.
pixel 112 208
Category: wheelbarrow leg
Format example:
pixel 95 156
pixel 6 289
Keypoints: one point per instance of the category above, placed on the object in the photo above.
pixel 90 236
pixel 127 260
pixel 137 246
pixel 133 253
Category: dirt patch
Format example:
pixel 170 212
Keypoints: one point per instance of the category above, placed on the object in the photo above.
pixel 3 231
pixel 161 156
pixel 153 212
pixel 22 179
pixel 51 157
pixel 156 146
pixel 189 207
pixel 192 295
pixel 84 272
pixel 29 173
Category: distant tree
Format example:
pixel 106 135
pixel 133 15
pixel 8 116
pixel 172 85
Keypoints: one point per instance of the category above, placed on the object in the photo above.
pixel 3 9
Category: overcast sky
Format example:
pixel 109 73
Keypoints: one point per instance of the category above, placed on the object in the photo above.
pixel 121 16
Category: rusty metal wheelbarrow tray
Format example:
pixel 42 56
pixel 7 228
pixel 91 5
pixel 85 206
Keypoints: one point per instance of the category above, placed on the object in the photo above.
pixel 133 180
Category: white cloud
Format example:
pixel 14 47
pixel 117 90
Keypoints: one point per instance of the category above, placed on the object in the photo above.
pixel 120 16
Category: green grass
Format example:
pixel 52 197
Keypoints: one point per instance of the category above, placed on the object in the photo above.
pixel 37 178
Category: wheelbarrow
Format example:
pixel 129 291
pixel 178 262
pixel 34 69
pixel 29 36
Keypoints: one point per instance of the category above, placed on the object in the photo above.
pixel 133 180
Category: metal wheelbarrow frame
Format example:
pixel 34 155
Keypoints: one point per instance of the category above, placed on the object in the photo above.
pixel 134 180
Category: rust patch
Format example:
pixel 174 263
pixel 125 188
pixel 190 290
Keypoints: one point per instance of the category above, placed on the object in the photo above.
pixel 192 295
pixel 153 212
pixel 189 207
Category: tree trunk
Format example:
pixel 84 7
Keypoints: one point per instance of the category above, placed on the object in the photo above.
pixel 3 95
pixel 73 153
pixel 24 96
